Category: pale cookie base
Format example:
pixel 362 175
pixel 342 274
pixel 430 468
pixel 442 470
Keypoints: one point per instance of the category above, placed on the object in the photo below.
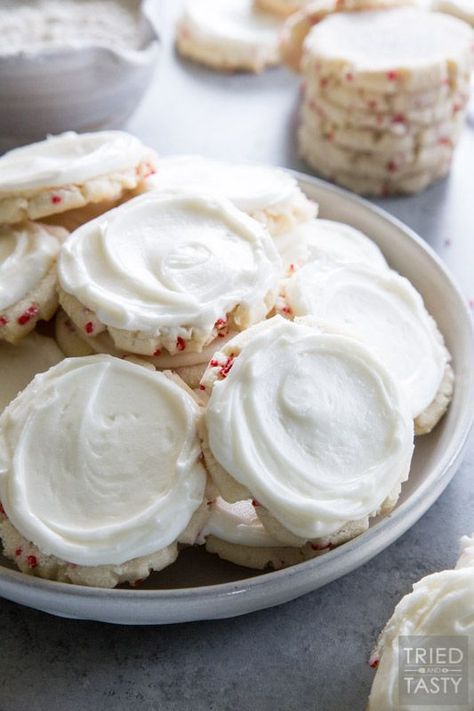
pixel 259 558
pixel 43 203
pixel 228 488
pixel 430 417
pixel 366 185
pixel 275 529
pixel 73 343
pixel 72 219
pixel 39 304
pixel 283 217
pixel 282 8
pixel 225 58
pixel 173 340
pixel 300 23
pixel 30 560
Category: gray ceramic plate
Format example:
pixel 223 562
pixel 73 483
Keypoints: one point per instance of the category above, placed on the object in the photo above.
pixel 200 586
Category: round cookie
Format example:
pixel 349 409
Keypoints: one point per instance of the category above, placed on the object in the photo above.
pixel 401 49
pixel 440 605
pixel 385 312
pixel 267 194
pixel 100 528
pixel 70 171
pixel 231 35
pixel 19 364
pixel 462 9
pixel 189 365
pixel 316 430
pixel 168 272
pixel 28 282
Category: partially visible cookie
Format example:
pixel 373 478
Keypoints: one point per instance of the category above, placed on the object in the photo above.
pixel 28 281
pixel 231 35
pixel 69 171
pixel 103 526
pixel 283 8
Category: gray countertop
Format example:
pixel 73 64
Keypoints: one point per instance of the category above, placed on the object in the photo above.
pixel 308 654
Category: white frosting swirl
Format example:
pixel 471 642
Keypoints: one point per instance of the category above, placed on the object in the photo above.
pixel 21 362
pixel 234 23
pixel 237 523
pixel 440 604
pixel 162 261
pixel 99 461
pixel 383 310
pixel 249 187
pixel 27 252
pixel 311 424
pixel 466 557
pixel 69 158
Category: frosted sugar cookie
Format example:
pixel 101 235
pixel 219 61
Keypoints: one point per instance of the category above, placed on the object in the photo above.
pixel 70 171
pixel 189 365
pixel 228 35
pixel 235 533
pixel 126 486
pixel 168 272
pixel 28 281
pixel 19 364
pixel 440 605
pixel 310 425
pixel 401 49
pixel 385 312
pixel 283 8
pixel 270 195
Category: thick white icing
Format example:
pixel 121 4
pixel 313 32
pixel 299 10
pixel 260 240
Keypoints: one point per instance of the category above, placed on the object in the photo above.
pixel 69 158
pixel 20 363
pixel 441 605
pixel 99 461
pixel 381 309
pixel 249 187
pixel 27 252
pixel 237 523
pixel 311 424
pixel 162 261
pixel 234 23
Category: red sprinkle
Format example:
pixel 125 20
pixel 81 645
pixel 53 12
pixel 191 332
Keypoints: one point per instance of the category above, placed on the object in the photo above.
pixel 292 267
pixel 286 310
pixel 180 343
pixel 202 387
pixel 56 199
pixel 255 502
pixel 349 76
pixel 391 166
pixel 27 315
pixel 18 551
pixel 3 321
pixel 399 118
pixel 320 546
pixel 214 363
pixel 89 327
pixel 221 335
pixel 374 662
pixel 32 561
pixel 220 323
pixel 392 75
pixel 444 141
pixel 224 371
pixel 157 352
pixel 136 583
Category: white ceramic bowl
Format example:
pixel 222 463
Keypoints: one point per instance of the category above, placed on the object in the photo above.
pixel 199 585
pixel 82 89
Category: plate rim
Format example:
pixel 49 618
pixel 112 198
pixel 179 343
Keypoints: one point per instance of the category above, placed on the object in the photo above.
pixel 398 522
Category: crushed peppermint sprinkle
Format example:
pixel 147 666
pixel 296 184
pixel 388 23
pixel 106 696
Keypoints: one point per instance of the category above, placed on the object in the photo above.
pixel 391 166
pixel 349 76
pixel 89 327
pixel 27 315
pixel 374 662
pixel 32 561
pixel 220 323
pixel 56 199
pixel 286 310
pixel 224 371
pixel 157 352
pixel 3 321
pixel 255 503
pixel 18 552
pixel 392 75
pixel 214 363
pixel 180 343
pixel 202 387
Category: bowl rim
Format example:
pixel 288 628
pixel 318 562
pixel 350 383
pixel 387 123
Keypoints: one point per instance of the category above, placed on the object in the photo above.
pixel 396 522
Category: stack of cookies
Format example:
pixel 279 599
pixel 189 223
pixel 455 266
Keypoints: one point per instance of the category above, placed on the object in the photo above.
pixel 385 98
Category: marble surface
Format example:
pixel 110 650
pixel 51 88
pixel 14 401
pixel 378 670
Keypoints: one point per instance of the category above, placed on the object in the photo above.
pixel 308 654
